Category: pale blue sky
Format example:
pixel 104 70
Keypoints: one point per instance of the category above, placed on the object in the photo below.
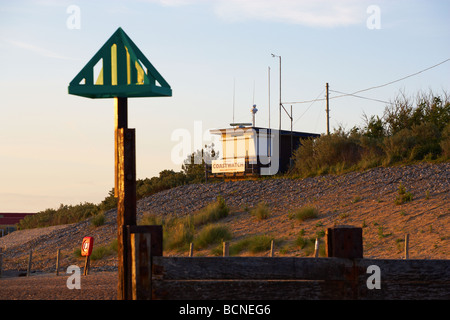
pixel 57 148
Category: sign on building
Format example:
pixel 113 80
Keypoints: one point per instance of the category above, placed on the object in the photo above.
pixel 228 165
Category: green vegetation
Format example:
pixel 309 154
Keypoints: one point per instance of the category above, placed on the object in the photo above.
pixel 253 244
pixel 261 211
pixel 306 213
pixel 410 130
pixel 356 199
pixel 99 252
pixel 302 242
pixel 211 213
pixel 307 244
pixel 179 232
pixel 98 220
pixel 403 196
pixel 381 233
pixel 63 215
pixel 103 251
pixel 212 234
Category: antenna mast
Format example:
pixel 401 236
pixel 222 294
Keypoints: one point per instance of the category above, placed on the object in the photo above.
pixel 234 89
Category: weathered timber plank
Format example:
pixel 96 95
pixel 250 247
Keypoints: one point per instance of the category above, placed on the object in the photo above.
pixel 424 290
pixel 294 290
pixel 249 290
pixel 254 268
pixel 406 270
pixel 297 278
pixel 192 268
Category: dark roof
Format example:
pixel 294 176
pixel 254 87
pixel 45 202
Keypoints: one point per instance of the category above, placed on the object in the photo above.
pixel 282 132
pixel 295 133
pixel 10 218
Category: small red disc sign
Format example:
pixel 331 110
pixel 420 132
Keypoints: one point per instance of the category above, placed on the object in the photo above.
pixel 86 246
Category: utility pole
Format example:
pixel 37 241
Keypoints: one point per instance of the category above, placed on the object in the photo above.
pixel 269 93
pixel 292 138
pixel 328 112
pixel 280 92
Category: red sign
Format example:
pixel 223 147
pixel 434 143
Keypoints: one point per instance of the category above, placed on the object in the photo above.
pixel 87 246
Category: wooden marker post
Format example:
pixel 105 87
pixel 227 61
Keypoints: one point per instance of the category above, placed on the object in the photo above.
pixel 126 73
pixel 125 169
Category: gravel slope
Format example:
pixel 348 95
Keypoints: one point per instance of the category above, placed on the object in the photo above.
pixel 357 198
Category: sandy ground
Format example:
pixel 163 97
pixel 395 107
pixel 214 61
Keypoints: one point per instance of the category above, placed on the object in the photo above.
pixel 47 286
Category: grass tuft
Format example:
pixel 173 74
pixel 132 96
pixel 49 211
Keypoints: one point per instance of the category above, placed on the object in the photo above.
pixel 306 213
pixel 261 211
pixel 212 234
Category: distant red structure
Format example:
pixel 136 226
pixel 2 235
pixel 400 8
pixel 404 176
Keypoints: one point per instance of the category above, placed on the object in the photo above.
pixel 8 221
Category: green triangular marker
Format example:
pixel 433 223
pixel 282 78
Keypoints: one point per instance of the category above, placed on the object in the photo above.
pixel 125 72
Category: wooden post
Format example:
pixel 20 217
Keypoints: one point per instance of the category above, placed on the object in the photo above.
pixel 141 266
pixel 271 248
pixel 191 249
pixel 316 248
pixel 226 249
pixel 144 248
pixel 30 257
pixel 344 242
pixel 58 253
pixel 407 246
pixel 125 190
pixel 120 122
pixel 87 264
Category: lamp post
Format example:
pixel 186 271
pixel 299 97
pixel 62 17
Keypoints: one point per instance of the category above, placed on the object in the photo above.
pixel 274 55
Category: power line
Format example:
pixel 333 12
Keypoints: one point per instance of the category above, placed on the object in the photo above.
pixel 374 87
pixel 354 95
pixel 313 101
pixel 409 76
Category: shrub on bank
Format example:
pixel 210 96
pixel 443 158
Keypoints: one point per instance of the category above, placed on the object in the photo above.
pixel 406 133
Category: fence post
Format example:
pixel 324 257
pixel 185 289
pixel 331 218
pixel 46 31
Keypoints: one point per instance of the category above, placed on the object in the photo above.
pixel 30 257
pixel 407 246
pixel 191 249
pixel 226 249
pixel 57 261
pixel 271 248
pixel 316 248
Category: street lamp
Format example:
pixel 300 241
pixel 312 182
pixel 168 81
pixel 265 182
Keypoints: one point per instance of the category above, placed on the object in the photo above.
pixel 274 56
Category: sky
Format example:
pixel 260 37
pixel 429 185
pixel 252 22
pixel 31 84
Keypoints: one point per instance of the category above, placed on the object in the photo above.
pixel 58 148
